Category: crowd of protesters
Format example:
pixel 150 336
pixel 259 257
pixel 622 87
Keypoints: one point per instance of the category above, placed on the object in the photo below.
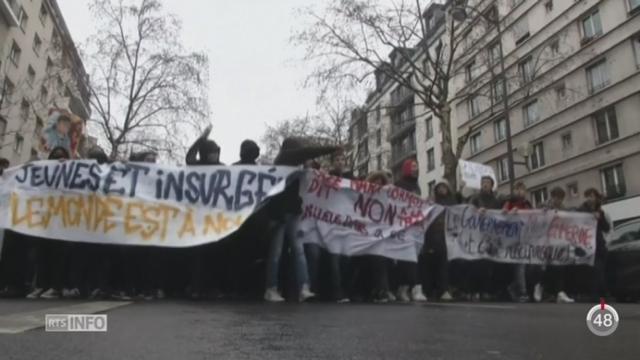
pixel 265 258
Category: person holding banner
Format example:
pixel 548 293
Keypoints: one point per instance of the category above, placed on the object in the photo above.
pixel 408 271
pixel 593 205
pixel 285 209
pixel 436 264
pixel 518 288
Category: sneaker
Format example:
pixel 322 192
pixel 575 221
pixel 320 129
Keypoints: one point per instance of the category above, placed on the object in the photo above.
pixel 305 293
pixel 417 295
pixel 563 298
pixel 35 293
pixel 475 297
pixel 343 301
pixel 121 295
pixel 97 294
pixel 272 295
pixel 160 294
pixel 148 296
pixel 71 293
pixel 446 296
pixel 403 294
pixel 537 293
pixel 51 294
pixel 522 299
pixel 390 296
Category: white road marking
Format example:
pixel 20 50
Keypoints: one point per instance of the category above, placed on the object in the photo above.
pixel 19 323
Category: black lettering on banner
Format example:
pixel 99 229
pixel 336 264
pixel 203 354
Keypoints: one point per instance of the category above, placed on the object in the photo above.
pixel 174 182
pixel 135 171
pixel 240 193
pixel 264 179
pixel 192 193
pixel 222 185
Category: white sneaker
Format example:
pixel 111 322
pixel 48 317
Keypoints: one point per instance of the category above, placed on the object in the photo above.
pixel 417 295
pixel 160 294
pixel 72 293
pixel 51 294
pixel 403 293
pixel 35 293
pixel 563 298
pixel 272 295
pixel 305 293
pixel 390 296
pixel 344 301
pixel 537 293
pixel 446 296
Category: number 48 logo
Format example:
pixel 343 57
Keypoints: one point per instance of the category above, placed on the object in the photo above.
pixel 602 320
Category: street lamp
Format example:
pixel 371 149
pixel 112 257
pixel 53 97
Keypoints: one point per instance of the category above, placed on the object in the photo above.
pixel 459 13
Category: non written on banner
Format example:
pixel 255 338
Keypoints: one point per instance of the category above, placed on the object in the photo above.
pixel 134 203
pixel 352 217
pixel 528 237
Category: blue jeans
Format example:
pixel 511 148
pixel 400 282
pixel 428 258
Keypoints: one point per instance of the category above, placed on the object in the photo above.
pixel 286 228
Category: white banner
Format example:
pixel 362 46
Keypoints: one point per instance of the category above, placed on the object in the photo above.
pixel 528 237
pixel 134 203
pixel 351 217
pixel 472 173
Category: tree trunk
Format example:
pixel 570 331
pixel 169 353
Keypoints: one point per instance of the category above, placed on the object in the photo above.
pixel 449 158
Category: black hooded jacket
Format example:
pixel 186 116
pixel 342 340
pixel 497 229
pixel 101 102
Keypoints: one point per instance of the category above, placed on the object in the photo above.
pixel 249 153
pixel 201 147
pixel 435 235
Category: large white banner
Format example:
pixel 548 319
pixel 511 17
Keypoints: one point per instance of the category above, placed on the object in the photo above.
pixel 352 217
pixel 134 203
pixel 528 237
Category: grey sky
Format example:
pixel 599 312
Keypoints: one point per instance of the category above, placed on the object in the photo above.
pixel 254 78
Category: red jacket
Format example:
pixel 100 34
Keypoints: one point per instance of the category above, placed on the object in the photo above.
pixel 517 203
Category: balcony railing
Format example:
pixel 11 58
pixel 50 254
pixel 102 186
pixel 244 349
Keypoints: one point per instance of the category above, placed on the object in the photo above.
pixel 400 95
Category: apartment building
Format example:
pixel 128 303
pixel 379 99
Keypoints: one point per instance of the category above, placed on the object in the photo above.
pixel 39 69
pixel 573 91
pixel 398 127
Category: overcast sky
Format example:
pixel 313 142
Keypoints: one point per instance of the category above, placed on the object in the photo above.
pixel 255 78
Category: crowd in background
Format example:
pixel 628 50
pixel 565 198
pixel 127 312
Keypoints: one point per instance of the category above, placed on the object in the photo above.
pixel 265 258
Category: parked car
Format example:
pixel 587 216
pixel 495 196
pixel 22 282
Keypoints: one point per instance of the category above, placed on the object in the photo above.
pixel 624 261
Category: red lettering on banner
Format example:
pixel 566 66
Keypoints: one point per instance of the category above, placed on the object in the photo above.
pixel 322 184
pixel 375 210
pixel 365 187
pixel 562 229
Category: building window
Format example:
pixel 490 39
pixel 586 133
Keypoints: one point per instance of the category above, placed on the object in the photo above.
pixel 572 190
pixel 503 169
pixel 3 130
pixel 598 76
pixel 548 5
pixel 539 197
pixel 531 113
pixel 636 49
pixel 432 185
pixel 606 125
pixel 429 126
pixel 561 91
pixel 494 53
pixel 537 156
pixel 634 5
pixel 521 31
pixel 470 71
pixel 23 19
pixel 378 114
pixel 591 26
pixel 526 69
pixel 24 109
pixel 31 75
pixel 9 89
pixel 474 106
pixel 567 141
pixel 431 160
pixel 14 54
pixel 19 142
pixel 613 182
pixel 475 142
pixel 554 46
pixel 379 161
pixel 378 137
pixel 44 14
pixel 497 90
pixel 49 67
pixel 39 126
pixel 37 44
pixel 500 129
pixel 60 85
pixel 44 95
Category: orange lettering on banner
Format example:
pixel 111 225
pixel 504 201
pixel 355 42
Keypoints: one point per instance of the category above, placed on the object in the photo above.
pixel 187 225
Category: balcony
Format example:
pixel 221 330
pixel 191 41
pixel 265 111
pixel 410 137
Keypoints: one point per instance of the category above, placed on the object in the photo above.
pixel 400 95
pixel 9 9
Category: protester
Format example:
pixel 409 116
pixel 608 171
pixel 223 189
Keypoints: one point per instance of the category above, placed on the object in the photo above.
pixel 593 204
pixel 479 275
pixel 51 256
pixel 435 247
pixel 408 271
pixel 285 209
pixel 204 151
pixel 4 165
pixel 518 288
pixel 249 153
pixel 554 277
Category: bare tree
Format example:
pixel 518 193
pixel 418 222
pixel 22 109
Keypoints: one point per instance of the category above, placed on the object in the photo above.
pixel 148 91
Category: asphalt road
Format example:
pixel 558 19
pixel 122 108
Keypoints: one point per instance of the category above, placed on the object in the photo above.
pixel 201 330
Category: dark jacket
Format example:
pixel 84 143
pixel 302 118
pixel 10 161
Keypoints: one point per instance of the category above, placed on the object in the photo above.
pixel 293 152
pixel 486 200
pixel 249 153
pixel 408 182
pixel 202 147
pixel 435 235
